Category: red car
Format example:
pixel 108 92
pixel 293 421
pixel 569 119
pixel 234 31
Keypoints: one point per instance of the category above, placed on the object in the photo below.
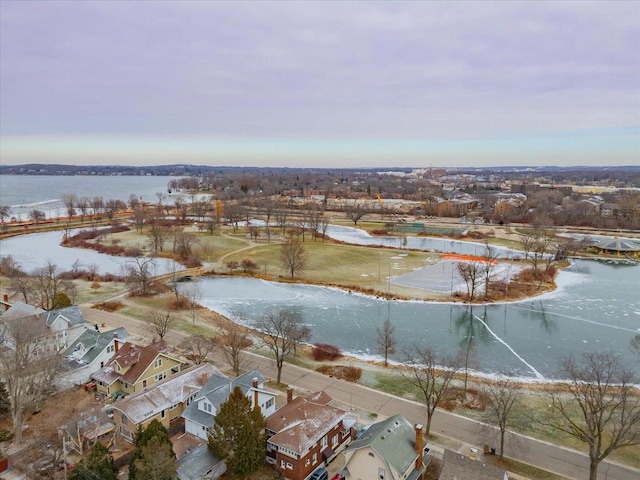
pixel 337 476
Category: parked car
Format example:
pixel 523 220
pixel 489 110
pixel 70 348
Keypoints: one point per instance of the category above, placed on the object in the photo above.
pixel 337 476
pixel 319 474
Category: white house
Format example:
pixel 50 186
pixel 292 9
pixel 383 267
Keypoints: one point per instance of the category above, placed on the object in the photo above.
pixel 88 354
pixel 199 414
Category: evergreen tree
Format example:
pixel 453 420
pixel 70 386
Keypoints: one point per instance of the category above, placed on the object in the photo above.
pixel 5 405
pixel 238 434
pixel 98 463
pixel 155 434
pixel 156 461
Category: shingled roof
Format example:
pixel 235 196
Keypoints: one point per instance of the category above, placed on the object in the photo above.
pixel 394 439
pixel 162 395
pixel 303 421
pixel 130 355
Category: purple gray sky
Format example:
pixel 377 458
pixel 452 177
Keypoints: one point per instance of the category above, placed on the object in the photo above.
pixel 320 83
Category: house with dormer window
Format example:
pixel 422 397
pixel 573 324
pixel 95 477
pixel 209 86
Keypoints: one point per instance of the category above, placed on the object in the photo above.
pixel 134 368
pixel 51 331
pixel 88 354
pixel 164 401
pixel 199 414
pixel 305 434
pixel 392 449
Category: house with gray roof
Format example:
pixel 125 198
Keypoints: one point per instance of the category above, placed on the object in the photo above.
pixel 88 354
pixel 53 331
pixel 199 414
pixel 389 450
pixel 200 464
pixel 164 401
pixel 456 466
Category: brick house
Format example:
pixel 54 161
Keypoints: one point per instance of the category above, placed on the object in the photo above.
pixel 306 433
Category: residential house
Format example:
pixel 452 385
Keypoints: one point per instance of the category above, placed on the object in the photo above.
pixel 134 368
pixel 389 450
pixel 52 331
pixel 306 433
pixel 456 466
pixel 88 354
pixel 199 414
pixel 200 463
pixel 164 401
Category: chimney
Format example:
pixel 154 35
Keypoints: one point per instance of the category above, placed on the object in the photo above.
pixel 289 395
pixel 256 404
pixel 116 344
pixel 204 378
pixel 419 451
pixel 254 382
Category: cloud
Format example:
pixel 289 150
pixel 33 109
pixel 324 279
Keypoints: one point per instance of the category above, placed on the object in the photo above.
pixel 321 70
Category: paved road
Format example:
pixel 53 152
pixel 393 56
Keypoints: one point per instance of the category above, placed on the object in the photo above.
pixel 564 461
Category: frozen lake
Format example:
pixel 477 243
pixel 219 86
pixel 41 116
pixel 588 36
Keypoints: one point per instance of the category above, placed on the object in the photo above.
pixel 33 251
pixel 596 308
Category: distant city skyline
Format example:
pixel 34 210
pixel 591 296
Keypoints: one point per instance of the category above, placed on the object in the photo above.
pixel 320 84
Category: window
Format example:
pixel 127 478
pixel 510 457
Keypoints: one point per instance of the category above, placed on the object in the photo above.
pixel 381 473
pixel 124 418
pixel 157 363
pixel 110 349
pixel 269 403
pixel 101 365
pixel 162 414
pixel 315 458
pixel 161 376
pixel 289 466
pixel 307 462
pixel 334 441
pixel 207 407
pixel 283 464
pixel 324 442
pixel 144 383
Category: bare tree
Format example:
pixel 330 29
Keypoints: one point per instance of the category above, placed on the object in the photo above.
pixel 281 216
pixel 432 375
pixel 197 348
pixel 502 395
pixel 47 285
pixel 281 331
pixel 139 273
pixel 161 322
pixel 140 217
pixel 4 212
pixel 114 206
pixel 97 205
pixel 355 212
pixel 69 200
pixel 28 366
pixel 193 293
pixel 599 406
pixel 184 243
pixel 83 204
pixel 158 235
pixel 36 216
pixel 20 283
pixel 489 262
pixel 386 340
pixel 233 340
pixel 292 255
pixel 471 273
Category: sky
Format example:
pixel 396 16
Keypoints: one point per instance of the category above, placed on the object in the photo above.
pixel 320 84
